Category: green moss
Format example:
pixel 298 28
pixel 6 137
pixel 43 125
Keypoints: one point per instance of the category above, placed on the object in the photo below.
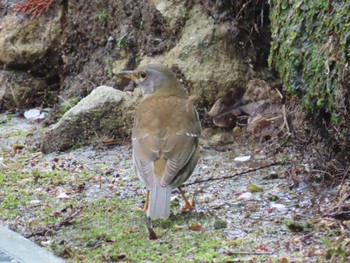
pixel 220 224
pixel 336 250
pixel 102 15
pixel 298 226
pixel 66 106
pixel 254 188
pixel 15 134
pixel 120 42
pixel 273 198
pixel 310 50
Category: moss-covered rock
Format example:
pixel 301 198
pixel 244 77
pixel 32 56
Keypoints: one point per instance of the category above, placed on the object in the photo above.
pixel 310 50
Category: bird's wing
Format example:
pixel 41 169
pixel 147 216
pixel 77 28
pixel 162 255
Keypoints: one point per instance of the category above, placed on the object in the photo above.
pixel 145 152
pixel 178 150
pixel 180 147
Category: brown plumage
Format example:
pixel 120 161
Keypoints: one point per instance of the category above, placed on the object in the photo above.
pixel 164 137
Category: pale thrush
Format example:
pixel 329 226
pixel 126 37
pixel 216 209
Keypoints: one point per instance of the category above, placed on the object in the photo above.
pixel 164 137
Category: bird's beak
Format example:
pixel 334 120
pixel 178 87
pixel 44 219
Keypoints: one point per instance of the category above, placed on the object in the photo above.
pixel 128 74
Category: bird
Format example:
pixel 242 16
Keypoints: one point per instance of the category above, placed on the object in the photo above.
pixel 165 137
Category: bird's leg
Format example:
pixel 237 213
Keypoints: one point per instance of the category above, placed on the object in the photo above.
pixel 187 206
pixel 146 203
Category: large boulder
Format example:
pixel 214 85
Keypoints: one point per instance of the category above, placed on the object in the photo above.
pixel 175 12
pixel 209 65
pixel 29 57
pixel 106 112
pixel 25 41
pixel 95 42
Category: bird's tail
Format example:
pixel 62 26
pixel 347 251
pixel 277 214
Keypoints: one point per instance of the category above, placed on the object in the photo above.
pixel 159 203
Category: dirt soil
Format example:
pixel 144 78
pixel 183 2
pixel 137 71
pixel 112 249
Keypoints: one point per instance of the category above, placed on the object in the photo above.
pixel 260 210
pixel 97 34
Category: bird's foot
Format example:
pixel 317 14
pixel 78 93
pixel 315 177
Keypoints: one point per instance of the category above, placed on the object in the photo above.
pixel 188 206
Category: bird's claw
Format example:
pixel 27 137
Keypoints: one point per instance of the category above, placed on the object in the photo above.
pixel 188 206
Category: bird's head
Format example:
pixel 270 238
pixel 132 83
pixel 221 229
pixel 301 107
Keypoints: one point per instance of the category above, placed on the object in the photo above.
pixel 152 78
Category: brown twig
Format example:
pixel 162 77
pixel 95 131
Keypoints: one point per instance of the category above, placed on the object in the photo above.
pixel 340 208
pixel 230 252
pixel 243 7
pixel 56 226
pixel 236 174
pixel 285 121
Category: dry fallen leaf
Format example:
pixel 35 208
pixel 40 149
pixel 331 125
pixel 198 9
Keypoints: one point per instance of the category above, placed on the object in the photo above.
pixel 195 227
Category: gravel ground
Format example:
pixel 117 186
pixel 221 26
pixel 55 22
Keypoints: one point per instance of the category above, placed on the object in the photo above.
pixel 255 198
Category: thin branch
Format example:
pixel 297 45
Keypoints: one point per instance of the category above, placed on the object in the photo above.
pixel 236 174
pixel 230 252
pixel 243 7
pixel 285 121
pixel 41 231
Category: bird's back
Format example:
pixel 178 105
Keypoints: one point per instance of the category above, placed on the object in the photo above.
pixel 164 116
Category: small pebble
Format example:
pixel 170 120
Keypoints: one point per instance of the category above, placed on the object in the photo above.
pixel 242 158
pixel 34 202
pixel 245 196
pixel 279 207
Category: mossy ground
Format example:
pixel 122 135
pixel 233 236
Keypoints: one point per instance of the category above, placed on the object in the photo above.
pixel 100 229
pixel 112 229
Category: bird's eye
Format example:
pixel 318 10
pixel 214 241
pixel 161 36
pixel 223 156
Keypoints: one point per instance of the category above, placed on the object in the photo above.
pixel 142 74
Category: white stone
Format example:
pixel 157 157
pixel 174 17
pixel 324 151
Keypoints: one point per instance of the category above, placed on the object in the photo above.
pixel 32 114
pixel 245 196
pixel 242 158
pixel 279 207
